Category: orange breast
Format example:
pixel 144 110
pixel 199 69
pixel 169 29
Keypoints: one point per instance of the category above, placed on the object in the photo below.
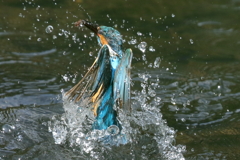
pixel 102 39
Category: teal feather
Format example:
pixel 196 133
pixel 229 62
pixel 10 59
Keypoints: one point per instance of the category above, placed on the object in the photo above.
pixel 107 83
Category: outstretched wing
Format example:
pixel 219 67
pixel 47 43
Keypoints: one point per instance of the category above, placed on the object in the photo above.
pixel 122 81
pixel 95 81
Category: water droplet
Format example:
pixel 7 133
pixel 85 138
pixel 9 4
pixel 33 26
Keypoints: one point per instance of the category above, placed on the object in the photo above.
pixel 151 49
pixel 191 41
pixel 173 101
pixel 150 65
pixel 157 99
pixel 19 138
pixel 133 41
pixel 139 33
pixel 92 34
pixel 90 53
pixel 54 37
pixel 20 15
pixel 112 130
pixel 49 29
pixel 181 93
pixel 157 62
pixel 183 119
pixel 173 15
pixel 142 46
pixel 144 57
pixel 39 39
pixel 7 128
pixel 151 92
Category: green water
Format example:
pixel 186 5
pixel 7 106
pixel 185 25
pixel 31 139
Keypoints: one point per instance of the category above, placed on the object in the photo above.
pixel 198 77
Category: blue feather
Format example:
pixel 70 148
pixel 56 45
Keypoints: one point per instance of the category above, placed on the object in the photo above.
pixel 107 83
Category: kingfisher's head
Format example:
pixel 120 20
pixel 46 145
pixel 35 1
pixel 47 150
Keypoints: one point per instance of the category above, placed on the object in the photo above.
pixel 105 35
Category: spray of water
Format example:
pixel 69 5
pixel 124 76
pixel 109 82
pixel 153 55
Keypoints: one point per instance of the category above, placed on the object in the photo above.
pixel 144 134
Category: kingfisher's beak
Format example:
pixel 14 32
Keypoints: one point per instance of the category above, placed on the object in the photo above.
pixel 93 27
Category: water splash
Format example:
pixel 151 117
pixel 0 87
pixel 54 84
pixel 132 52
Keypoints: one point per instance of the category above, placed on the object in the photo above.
pixel 132 41
pixel 151 49
pixel 144 133
pixel 157 62
pixel 142 46
pixel 49 29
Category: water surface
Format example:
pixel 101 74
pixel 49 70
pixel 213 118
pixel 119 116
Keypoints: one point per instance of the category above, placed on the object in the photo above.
pixel 185 79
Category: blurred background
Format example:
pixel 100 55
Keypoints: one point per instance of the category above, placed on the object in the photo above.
pixel 188 50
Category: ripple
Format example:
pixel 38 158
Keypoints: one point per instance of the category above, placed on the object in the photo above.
pixel 6 33
pixel 74 127
pixel 32 54
pixel 15 61
pixel 208 23
pixel 7 116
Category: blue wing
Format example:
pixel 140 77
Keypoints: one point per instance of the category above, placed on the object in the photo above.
pixel 95 81
pixel 121 82
pixel 103 86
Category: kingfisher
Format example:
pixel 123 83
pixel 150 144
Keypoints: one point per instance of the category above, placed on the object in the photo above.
pixel 106 85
